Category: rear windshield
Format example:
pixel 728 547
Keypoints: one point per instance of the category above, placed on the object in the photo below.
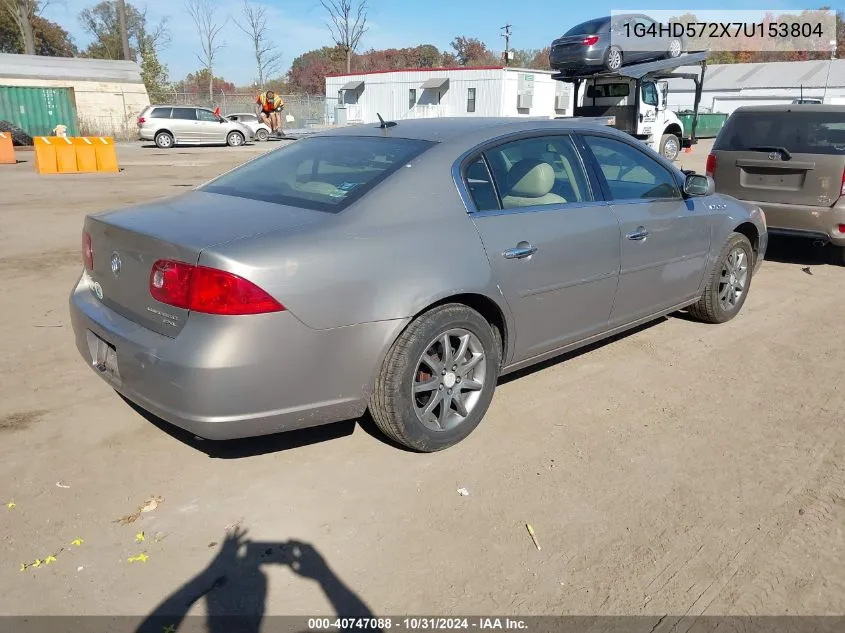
pixel 798 132
pixel 587 28
pixel 601 91
pixel 323 173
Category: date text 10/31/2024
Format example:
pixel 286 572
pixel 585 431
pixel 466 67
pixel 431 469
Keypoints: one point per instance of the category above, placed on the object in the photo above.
pixel 416 624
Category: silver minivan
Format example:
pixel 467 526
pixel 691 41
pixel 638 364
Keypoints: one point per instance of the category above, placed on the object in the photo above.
pixel 189 125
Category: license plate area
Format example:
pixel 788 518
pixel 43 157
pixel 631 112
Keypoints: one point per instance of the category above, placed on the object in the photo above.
pixel 103 357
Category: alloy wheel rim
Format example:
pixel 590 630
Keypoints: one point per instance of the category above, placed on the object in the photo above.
pixel 675 48
pixel 448 379
pixel 615 59
pixel 670 149
pixel 164 141
pixel 235 139
pixel 733 279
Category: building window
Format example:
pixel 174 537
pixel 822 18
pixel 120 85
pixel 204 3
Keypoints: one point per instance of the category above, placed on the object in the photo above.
pixel 470 99
pixel 412 97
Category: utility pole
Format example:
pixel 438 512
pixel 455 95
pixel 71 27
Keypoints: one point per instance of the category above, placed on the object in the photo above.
pixel 507 35
pixel 124 33
pixel 26 26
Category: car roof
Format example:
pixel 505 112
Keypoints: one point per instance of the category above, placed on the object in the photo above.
pixel 789 107
pixel 462 130
pixel 181 105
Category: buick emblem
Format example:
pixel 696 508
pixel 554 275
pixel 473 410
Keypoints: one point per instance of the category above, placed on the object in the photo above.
pixel 115 264
pixel 774 156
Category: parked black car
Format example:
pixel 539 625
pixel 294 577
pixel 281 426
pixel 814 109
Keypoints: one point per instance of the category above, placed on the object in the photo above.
pixel 609 43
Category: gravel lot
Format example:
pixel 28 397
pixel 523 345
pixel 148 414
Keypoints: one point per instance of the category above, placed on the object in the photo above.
pixel 681 469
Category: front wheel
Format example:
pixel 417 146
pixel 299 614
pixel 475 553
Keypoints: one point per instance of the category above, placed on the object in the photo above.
pixel 437 380
pixel 670 146
pixel 262 134
pixel 234 139
pixel 728 284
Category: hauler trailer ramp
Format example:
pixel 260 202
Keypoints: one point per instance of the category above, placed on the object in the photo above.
pixel 636 99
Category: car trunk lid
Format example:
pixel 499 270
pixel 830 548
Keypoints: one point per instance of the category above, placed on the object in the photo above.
pixel 127 243
pixel 783 157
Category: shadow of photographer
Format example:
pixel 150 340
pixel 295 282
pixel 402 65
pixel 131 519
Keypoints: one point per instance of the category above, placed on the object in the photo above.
pixel 234 587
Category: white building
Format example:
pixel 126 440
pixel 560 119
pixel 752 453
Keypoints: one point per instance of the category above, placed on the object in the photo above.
pixel 729 86
pixel 106 95
pixel 441 92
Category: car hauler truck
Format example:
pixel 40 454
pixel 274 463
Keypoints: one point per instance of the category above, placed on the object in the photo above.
pixel 635 100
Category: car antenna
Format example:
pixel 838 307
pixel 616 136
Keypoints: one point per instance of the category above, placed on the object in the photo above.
pixel 385 124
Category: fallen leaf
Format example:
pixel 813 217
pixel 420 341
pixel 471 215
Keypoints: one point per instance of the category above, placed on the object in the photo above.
pixel 37 563
pixel 11 505
pixel 148 506
pixel 151 504
pixel 159 537
pixel 463 492
pixel 169 629
pixel 807 270
pixel 80 568
pixel 77 542
pixel 59 484
pixel 139 537
pixel 140 558
pixel 24 566
pixel 49 559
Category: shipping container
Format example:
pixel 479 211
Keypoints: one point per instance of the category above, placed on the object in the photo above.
pixel 38 110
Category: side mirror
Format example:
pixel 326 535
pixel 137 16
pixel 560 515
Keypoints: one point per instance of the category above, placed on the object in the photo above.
pixel 698 185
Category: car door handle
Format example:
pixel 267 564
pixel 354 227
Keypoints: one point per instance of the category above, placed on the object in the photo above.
pixel 520 252
pixel 638 235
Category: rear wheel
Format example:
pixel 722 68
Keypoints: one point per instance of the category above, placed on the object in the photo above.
pixel 675 49
pixel 727 287
pixel 613 58
pixel 437 380
pixel 164 140
pixel 670 146
pixel 234 139
pixel 262 134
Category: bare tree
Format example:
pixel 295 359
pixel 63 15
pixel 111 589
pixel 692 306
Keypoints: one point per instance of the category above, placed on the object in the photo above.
pixel 208 29
pixel 254 25
pixel 22 12
pixel 347 24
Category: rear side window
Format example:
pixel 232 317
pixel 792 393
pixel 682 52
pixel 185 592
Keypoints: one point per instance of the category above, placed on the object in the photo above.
pixel 160 113
pixel 798 132
pixel 602 91
pixel 322 173
pixel 188 114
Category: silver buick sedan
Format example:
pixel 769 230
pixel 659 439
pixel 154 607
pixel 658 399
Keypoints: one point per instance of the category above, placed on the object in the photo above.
pixel 400 268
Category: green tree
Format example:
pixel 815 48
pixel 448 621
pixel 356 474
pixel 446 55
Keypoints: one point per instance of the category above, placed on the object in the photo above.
pixel 101 22
pixel 51 40
pixel 470 51
pixel 153 73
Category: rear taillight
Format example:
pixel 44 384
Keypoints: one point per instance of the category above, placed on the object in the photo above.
pixel 208 290
pixel 842 188
pixel 141 120
pixel 590 40
pixel 87 252
pixel 710 167
pixel 841 228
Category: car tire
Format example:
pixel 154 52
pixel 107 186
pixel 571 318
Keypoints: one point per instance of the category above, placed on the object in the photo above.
pixel 235 139
pixel 164 140
pixel 408 386
pixel 675 50
pixel 720 303
pixel 837 255
pixel 262 135
pixel 670 146
pixel 613 58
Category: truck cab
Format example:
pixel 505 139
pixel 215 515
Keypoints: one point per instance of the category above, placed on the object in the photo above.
pixel 635 99
pixel 639 108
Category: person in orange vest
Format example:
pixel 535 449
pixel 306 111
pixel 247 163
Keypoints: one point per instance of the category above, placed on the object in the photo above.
pixel 270 110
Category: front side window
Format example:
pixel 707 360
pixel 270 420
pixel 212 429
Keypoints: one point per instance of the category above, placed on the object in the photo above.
pixel 470 99
pixel 186 114
pixel 206 115
pixel 321 173
pixel 649 94
pixel 536 171
pixel 630 173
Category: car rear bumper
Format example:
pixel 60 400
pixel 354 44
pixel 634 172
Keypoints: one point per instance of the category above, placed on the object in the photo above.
pixel 819 223
pixel 230 377
pixel 574 59
pixel 146 135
